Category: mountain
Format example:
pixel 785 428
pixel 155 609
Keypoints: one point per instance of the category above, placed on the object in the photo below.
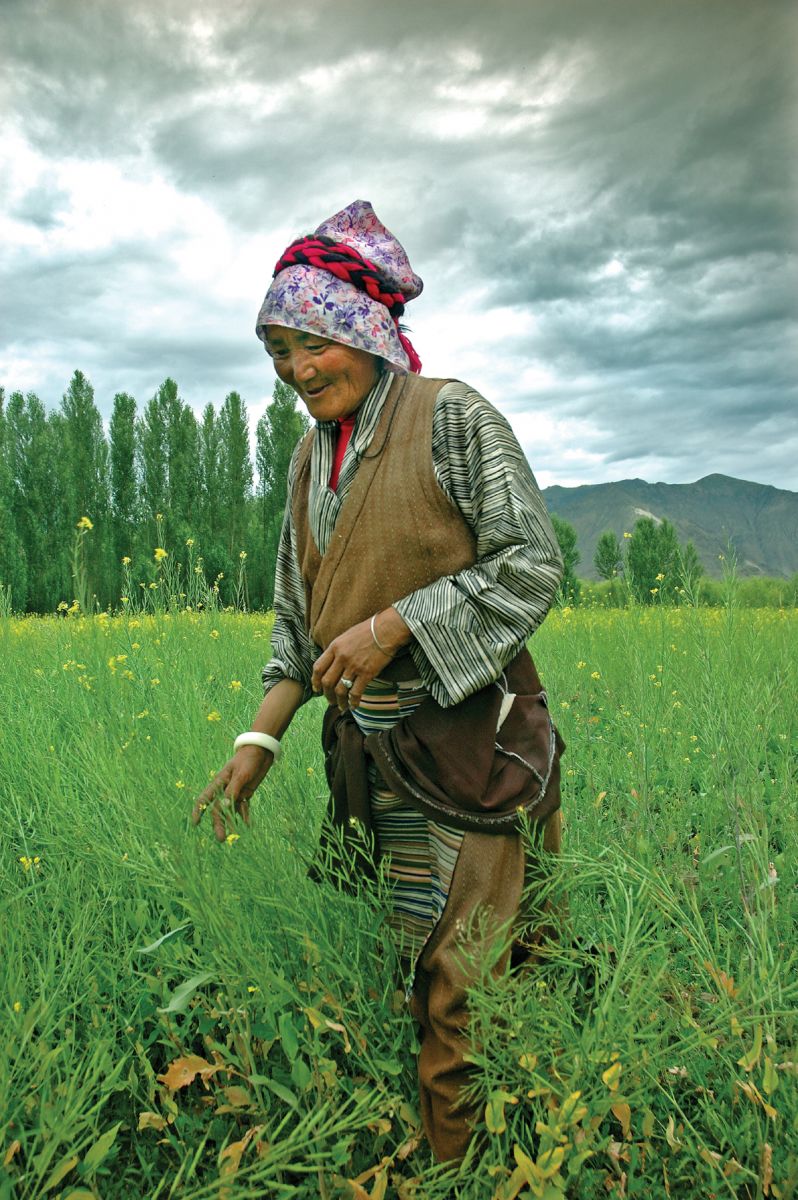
pixel 760 521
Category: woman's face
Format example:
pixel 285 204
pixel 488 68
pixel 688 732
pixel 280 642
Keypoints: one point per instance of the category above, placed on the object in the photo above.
pixel 333 380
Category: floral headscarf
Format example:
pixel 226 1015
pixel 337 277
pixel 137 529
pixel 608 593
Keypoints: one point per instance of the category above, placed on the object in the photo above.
pixel 312 300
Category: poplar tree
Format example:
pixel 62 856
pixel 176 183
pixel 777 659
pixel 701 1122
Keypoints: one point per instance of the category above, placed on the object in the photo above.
pixel 209 479
pixel 568 591
pixel 235 473
pixel 13 563
pixel 35 461
pixel 124 484
pixel 608 558
pixel 276 435
pixel 181 467
pixel 652 560
pixel 152 465
pixel 84 455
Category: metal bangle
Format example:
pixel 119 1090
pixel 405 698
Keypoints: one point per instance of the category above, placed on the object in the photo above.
pixel 377 642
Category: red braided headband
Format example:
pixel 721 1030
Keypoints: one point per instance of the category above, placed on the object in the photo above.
pixel 349 265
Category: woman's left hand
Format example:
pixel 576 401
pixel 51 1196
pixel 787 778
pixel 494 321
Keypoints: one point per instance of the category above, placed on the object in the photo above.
pixel 355 656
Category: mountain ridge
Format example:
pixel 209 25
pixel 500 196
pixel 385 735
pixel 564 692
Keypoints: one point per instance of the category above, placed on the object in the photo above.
pixel 760 520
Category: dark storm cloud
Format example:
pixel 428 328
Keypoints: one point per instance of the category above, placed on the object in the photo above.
pixel 616 174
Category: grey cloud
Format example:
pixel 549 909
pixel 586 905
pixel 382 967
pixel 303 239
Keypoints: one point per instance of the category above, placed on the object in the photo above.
pixel 667 146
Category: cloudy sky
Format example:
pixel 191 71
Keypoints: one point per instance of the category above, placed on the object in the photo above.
pixel 599 194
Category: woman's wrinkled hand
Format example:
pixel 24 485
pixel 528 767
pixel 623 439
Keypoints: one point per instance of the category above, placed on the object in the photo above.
pixel 355 656
pixel 229 792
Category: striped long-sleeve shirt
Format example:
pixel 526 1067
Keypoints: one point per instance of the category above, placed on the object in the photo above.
pixel 466 627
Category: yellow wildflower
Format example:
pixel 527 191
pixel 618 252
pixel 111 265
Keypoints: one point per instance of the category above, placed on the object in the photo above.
pixel 179 783
pixel 581 664
pixel 626 535
pixel 214 633
pixel 160 553
pixel 595 675
pixel 155 681
pixel 126 561
pixel 232 837
pixel 660 577
pixel 189 541
pixel 235 684
pixel 17 1006
pixel 242 555
pixel 85 523
pixel 214 715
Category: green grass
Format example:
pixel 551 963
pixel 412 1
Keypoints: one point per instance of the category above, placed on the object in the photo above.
pixel 652 1053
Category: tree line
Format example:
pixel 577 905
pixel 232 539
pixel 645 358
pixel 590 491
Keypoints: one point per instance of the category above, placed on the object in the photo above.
pixel 650 564
pixel 170 504
pixel 80 509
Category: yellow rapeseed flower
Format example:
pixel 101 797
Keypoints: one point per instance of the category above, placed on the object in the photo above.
pixel 160 553
pixel 214 715
pixel 235 684
pixel 189 541
pixel 595 675
pixel 126 561
pixel 85 523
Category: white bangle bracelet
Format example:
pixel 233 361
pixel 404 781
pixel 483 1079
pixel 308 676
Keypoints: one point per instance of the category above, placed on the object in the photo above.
pixel 381 649
pixel 264 740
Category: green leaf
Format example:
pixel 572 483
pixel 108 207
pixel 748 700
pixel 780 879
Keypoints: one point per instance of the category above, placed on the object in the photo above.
pixel 96 1153
pixel 64 1167
pixel 300 1073
pixel 282 1093
pixel 181 995
pixel 713 854
pixel 770 1079
pixel 288 1036
pixel 167 937
pixel 494 1110
pixel 388 1066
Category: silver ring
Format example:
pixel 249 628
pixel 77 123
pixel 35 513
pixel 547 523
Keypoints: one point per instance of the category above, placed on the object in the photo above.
pixel 347 683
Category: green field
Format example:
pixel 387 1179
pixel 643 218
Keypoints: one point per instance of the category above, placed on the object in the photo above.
pixel 264 1049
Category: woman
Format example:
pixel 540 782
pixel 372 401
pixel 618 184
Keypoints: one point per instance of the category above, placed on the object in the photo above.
pixel 416 559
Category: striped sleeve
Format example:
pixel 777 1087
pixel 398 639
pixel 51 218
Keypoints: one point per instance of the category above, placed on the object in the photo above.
pixel 292 651
pixel 467 627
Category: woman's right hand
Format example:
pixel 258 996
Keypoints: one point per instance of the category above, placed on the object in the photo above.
pixel 229 792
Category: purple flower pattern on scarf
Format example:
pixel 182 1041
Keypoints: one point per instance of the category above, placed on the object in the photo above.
pixel 314 301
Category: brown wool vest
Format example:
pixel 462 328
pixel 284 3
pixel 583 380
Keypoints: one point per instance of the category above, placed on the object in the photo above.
pixel 397 530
